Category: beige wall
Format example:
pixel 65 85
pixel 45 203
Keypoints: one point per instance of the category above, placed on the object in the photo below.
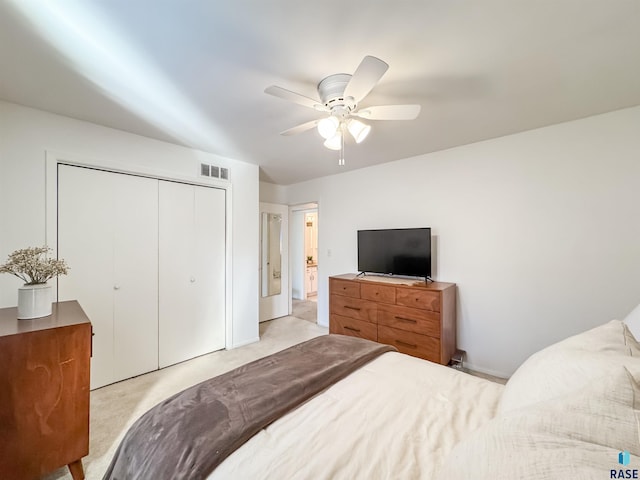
pixel 540 230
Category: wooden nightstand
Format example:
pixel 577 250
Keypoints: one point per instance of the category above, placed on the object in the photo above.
pixel 44 392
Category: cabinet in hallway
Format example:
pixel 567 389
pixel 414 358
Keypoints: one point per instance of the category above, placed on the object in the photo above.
pixel 312 280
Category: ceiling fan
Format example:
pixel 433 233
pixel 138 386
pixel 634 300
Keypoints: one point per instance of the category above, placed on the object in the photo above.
pixel 340 96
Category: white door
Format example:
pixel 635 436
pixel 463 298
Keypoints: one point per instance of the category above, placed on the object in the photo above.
pixel 135 247
pixel 107 232
pixel 296 255
pixel 274 261
pixel 191 271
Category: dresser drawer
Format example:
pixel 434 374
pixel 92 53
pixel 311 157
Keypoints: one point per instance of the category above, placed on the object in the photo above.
pixel 355 328
pixel 410 319
pixel 353 308
pixel 410 343
pixel 347 288
pixel 419 298
pixel 378 293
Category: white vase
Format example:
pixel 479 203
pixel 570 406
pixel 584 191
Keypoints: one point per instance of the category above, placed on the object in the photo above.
pixel 34 301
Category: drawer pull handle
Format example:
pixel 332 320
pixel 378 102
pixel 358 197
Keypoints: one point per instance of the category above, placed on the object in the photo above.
pixel 352 308
pixel 410 345
pixel 352 329
pixel 410 320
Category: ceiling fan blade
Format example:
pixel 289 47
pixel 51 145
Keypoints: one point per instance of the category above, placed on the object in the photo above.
pixel 389 112
pixel 294 97
pixel 368 73
pixel 300 128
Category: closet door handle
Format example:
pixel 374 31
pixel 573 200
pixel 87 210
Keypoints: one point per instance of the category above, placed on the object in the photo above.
pixel 116 287
pixel 352 329
pixel 192 279
pixel 351 308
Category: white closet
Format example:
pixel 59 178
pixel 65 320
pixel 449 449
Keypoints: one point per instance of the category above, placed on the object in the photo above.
pixel 192 271
pixel 147 266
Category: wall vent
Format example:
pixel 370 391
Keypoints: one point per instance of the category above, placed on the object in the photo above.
pixel 213 171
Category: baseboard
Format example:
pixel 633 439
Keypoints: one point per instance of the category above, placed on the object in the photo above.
pixel 246 342
pixel 488 371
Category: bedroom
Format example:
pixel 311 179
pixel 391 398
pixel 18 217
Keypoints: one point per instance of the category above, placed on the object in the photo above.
pixel 539 229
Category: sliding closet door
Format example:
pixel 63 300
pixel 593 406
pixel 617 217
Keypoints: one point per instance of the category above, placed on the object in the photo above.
pixel 209 213
pixel 85 241
pixel 135 252
pixel 191 271
pixel 108 233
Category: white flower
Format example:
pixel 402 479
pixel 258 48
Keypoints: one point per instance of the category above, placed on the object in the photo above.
pixel 33 267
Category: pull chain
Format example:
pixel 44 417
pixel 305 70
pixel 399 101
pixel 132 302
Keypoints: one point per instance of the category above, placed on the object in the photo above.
pixel 341 158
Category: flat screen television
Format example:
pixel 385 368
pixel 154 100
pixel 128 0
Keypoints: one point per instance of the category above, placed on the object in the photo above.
pixel 400 251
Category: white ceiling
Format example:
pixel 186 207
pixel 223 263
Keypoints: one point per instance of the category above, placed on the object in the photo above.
pixel 194 72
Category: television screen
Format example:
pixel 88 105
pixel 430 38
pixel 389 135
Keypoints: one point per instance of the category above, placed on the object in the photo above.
pixel 401 251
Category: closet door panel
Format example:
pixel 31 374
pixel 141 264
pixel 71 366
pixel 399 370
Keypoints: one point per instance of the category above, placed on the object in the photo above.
pixel 176 275
pixel 108 233
pixel 191 271
pixel 135 275
pixel 209 288
pixel 85 241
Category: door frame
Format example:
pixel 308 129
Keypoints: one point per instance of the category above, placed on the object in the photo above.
pixel 53 159
pixel 302 208
pixel 276 306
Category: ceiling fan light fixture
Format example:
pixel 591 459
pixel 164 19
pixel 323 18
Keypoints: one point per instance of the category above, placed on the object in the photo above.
pixel 335 142
pixel 327 127
pixel 358 130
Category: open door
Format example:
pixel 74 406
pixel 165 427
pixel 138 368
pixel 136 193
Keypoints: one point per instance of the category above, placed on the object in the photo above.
pixel 274 261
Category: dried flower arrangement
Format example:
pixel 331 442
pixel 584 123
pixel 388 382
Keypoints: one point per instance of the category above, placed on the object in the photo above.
pixel 33 267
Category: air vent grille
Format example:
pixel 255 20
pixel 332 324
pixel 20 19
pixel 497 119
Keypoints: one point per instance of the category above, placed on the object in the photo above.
pixel 213 171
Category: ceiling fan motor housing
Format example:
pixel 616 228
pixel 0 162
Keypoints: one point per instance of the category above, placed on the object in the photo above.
pixel 331 92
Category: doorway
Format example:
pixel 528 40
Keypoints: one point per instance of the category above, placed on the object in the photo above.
pixel 304 260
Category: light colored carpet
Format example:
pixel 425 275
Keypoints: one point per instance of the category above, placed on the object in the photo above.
pixel 115 407
pixel 306 310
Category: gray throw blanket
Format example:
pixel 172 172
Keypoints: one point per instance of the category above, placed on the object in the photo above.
pixel 188 435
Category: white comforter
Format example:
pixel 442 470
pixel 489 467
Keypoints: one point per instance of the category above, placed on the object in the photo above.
pixel 395 418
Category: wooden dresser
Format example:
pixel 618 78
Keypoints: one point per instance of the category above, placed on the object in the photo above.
pixel 44 392
pixel 417 319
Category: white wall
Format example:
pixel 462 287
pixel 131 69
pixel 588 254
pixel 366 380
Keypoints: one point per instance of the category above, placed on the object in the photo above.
pixel 272 193
pixel 26 134
pixel 540 230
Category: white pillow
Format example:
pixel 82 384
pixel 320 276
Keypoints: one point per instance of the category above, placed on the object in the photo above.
pixel 575 436
pixel 570 364
pixel 633 321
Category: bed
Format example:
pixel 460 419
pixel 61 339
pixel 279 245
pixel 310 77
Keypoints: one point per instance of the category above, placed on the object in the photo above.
pixel 570 411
